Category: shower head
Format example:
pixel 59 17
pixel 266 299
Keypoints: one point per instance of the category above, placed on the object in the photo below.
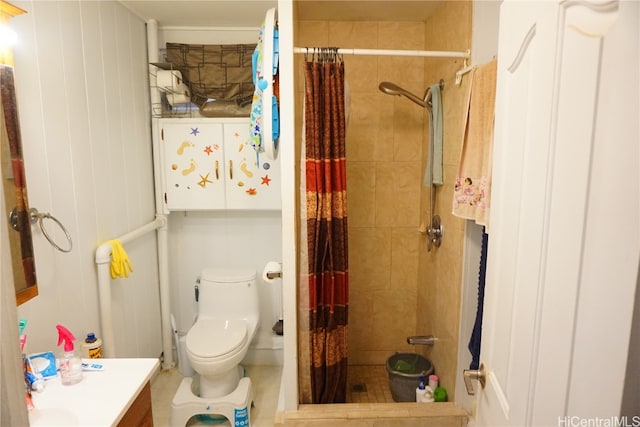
pixel 393 89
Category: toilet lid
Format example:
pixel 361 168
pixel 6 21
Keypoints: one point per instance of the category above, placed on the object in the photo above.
pixel 216 337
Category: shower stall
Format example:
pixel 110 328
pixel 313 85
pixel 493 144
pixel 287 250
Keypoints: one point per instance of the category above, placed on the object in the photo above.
pixel 398 288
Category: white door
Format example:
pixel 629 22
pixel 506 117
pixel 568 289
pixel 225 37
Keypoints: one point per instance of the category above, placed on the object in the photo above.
pixel 564 243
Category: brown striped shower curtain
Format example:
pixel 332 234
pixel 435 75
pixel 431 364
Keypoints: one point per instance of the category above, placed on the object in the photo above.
pixel 324 260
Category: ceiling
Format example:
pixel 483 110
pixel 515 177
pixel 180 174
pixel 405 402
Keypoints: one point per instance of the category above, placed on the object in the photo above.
pixel 211 13
pixel 250 13
pixel 366 10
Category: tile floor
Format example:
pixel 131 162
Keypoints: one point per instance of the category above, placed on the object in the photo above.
pixel 368 384
pixel 265 379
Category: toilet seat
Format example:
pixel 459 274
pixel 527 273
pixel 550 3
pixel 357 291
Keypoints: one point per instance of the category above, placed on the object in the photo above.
pixel 213 338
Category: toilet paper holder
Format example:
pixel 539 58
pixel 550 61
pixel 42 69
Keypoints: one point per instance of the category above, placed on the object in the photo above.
pixel 272 270
pixel 274 274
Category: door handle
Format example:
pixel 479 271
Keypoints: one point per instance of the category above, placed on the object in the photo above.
pixel 470 374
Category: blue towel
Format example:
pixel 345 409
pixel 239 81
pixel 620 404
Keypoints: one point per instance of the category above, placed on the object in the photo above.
pixel 476 335
pixel 433 171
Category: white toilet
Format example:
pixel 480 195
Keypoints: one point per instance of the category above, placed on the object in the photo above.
pixel 227 321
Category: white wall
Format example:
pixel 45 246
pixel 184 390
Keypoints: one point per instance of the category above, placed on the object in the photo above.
pixel 82 90
pixel 486 21
pixel 234 239
pixel 84 108
pixel 83 97
pixel 224 239
pixel 484 46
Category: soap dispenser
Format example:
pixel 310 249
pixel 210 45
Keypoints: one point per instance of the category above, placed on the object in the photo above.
pixel 424 393
pixel 70 363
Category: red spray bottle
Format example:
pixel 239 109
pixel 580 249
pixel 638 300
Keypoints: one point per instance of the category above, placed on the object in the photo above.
pixel 70 368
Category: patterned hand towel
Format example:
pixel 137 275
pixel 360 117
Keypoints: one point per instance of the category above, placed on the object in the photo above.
pixel 472 190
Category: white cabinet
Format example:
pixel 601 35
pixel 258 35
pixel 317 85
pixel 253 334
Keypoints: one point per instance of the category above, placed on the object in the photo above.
pixel 208 164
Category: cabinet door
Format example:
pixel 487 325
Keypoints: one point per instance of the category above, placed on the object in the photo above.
pixel 253 182
pixel 193 164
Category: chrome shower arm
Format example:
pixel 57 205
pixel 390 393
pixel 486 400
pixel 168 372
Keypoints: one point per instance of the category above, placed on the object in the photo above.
pixel 393 89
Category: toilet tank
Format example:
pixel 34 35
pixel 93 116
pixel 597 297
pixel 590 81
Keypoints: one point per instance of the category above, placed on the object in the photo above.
pixel 228 293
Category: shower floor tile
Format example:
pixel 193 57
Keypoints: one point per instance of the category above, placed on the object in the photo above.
pixel 368 384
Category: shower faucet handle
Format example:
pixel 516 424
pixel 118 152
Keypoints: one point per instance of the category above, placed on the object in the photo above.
pixel 434 232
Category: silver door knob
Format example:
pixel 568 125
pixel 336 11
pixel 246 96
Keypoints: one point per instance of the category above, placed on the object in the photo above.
pixel 469 374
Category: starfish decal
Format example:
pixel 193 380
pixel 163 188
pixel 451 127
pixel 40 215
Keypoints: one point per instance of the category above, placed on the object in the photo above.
pixel 194 131
pixel 204 180
pixel 266 180
pixel 252 192
pixel 208 150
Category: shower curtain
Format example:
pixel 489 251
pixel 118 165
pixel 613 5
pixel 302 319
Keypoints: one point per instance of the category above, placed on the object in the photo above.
pixel 324 282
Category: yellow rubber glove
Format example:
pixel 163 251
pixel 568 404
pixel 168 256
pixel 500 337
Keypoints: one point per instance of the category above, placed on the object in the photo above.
pixel 120 264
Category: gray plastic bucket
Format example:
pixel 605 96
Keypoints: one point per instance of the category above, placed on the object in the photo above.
pixel 404 371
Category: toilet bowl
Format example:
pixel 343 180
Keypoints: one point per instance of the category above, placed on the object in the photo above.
pixel 227 321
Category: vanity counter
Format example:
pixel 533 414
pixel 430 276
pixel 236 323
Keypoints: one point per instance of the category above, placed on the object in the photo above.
pixel 118 395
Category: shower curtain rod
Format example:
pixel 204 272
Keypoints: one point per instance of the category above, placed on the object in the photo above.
pixel 391 52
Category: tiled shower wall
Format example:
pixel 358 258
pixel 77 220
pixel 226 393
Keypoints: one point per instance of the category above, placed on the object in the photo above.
pixel 441 270
pixel 384 172
pixel 393 292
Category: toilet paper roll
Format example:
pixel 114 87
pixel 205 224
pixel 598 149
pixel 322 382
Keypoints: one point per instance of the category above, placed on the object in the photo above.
pixel 171 83
pixel 179 98
pixel 168 80
pixel 272 267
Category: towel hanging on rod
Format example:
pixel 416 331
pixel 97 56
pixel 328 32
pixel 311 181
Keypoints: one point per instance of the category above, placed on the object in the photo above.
pixel 472 189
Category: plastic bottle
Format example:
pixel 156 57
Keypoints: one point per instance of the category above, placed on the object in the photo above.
pixel 424 393
pixel 36 382
pixel 420 390
pixel 34 377
pixel 91 347
pixel 433 381
pixel 70 364
pixel 440 394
